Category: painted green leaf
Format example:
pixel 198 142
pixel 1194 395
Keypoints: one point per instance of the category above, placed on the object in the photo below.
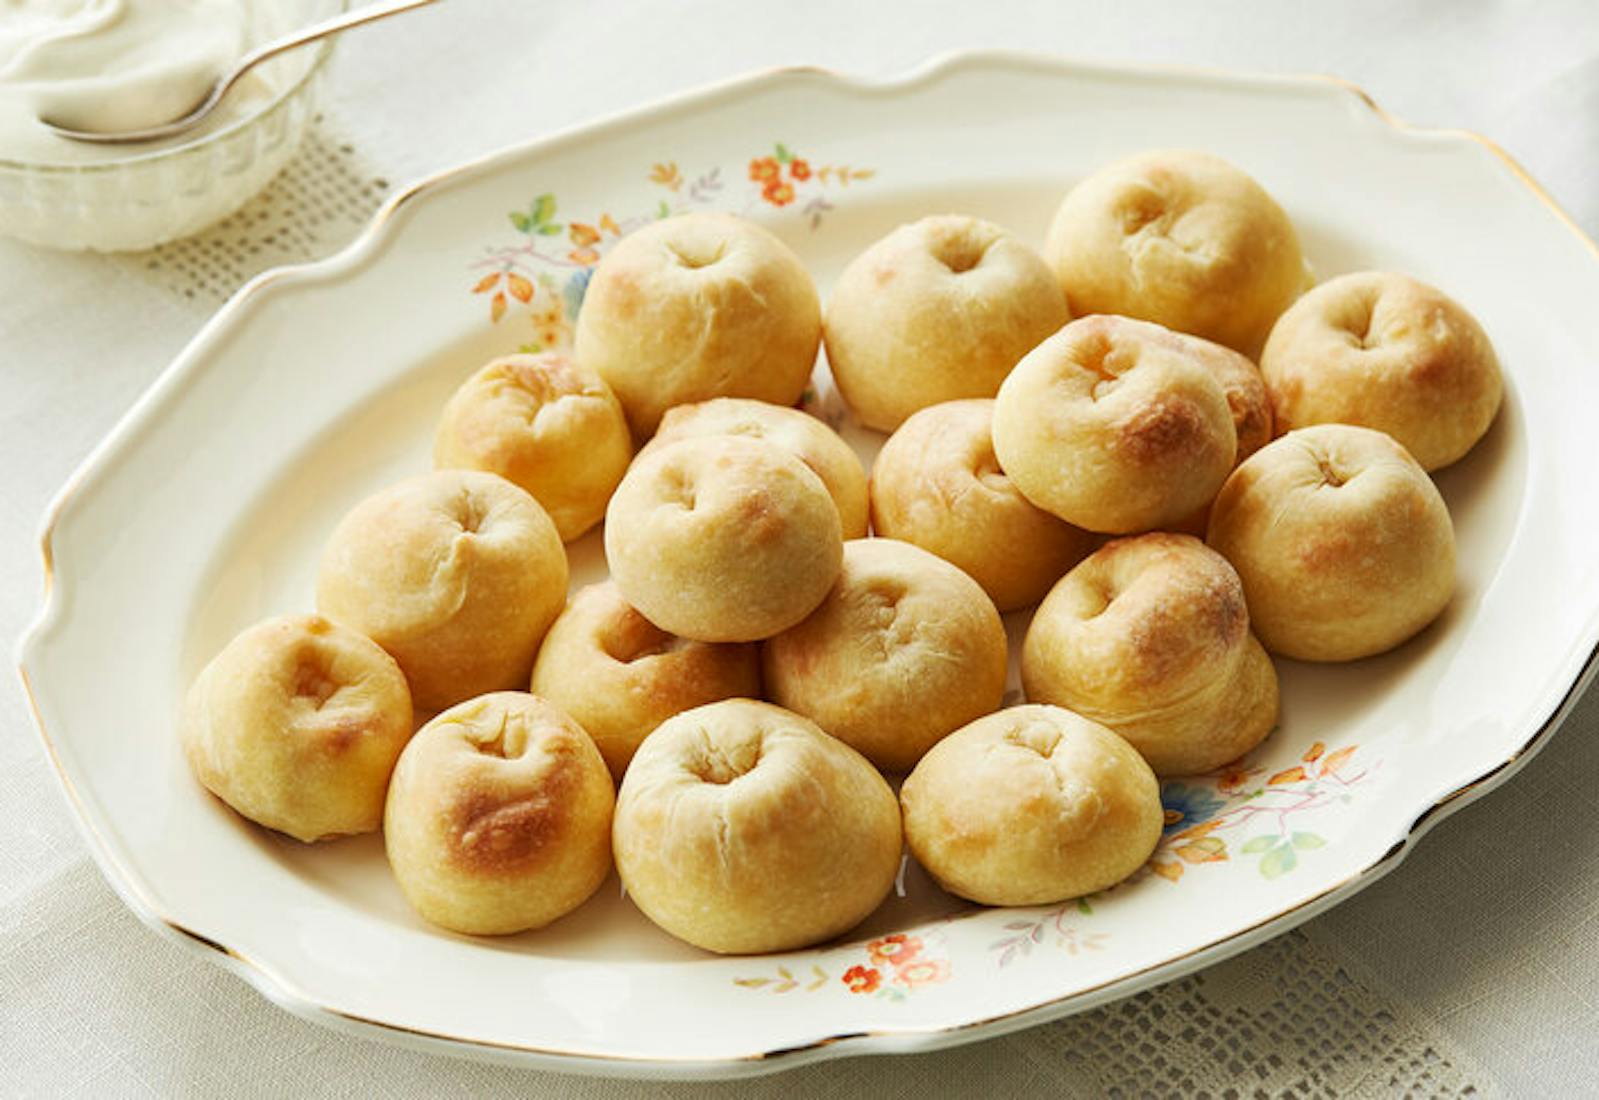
pixel 1084 908
pixel 1306 841
pixel 783 153
pixel 663 211
pixel 1256 845
pixel 1278 861
pixel 543 208
pixel 550 229
pixel 521 221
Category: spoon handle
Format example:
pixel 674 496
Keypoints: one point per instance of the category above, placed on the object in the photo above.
pixel 367 13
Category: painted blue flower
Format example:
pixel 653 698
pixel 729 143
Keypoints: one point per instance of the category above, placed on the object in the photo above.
pixel 576 287
pixel 1188 806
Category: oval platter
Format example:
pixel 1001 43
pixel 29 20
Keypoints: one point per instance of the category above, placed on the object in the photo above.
pixel 204 510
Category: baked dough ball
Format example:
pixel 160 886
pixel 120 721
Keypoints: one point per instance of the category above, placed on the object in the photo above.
pixel 1180 238
pixel 1150 637
pixel 1387 352
pixel 620 675
pixel 296 724
pixel 722 539
pixel 1241 384
pixel 936 484
pixel 1246 397
pixel 1343 544
pixel 1115 427
pixel 798 433
pixel 742 828
pixel 904 649
pixel 499 816
pixel 541 423
pixel 456 573
pixel 1030 806
pixel 938 310
pixel 699 306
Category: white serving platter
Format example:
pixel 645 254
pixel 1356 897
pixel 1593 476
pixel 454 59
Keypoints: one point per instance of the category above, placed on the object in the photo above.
pixel 205 509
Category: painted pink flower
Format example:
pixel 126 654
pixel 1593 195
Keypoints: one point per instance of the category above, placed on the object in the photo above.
pixel 923 972
pixel 895 950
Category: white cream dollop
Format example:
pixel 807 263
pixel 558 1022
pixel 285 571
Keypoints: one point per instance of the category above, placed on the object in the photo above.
pixel 112 65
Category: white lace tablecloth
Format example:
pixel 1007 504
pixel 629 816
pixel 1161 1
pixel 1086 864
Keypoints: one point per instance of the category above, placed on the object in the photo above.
pixel 1473 969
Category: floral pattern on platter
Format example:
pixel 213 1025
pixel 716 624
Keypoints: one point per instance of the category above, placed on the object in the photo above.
pixel 893 967
pixel 1052 926
pixel 1199 818
pixel 544 273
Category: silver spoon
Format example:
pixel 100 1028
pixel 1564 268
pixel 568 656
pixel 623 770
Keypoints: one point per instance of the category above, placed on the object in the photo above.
pixel 315 31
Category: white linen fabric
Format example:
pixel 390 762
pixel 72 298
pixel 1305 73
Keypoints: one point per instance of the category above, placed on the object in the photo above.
pixel 1472 970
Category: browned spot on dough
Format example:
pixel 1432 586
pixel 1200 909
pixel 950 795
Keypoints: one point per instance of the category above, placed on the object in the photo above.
pixel 1326 550
pixel 343 732
pixel 1161 428
pixel 625 300
pixel 495 836
pixel 761 522
pixel 1226 616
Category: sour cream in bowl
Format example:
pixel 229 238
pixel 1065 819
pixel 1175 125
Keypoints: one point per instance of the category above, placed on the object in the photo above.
pixel 125 64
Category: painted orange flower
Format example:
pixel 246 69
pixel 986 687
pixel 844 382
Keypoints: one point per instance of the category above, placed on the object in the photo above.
pixel 1233 778
pixel 765 170
pixel 778 193
pixel 923 972
pixel 862 979
pixel 895 950
pixel 799 168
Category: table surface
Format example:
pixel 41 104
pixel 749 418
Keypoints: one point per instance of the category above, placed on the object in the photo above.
pixel 1472 970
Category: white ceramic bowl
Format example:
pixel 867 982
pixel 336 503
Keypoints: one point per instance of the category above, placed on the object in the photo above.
pixel 147 197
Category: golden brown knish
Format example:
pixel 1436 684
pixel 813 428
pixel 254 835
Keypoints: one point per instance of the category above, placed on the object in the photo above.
pixel 799 433
pixel 1343 544
pixel 499 816
pixel 1180 238
pixel 619 675
pixel 743 828
pixel 1030 806
pixel 904 649
pixel 936 484
pixel 1246 398
pixel 1388 352
pixel 543 424
pixel 456 573
pixel 722 539
pixel 938 310
pixel 1150 637
pixel 1115 426
pixel 296 724
pixel 698 306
